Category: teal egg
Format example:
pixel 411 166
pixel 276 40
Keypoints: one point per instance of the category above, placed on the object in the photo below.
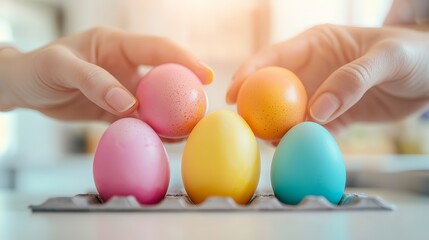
pixel 308 162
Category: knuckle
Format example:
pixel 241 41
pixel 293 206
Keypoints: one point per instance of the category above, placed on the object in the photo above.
pixel 394 46
pixel 89 77
pixel 47 58
pixel 356 76
pixel 98 30
pixel 396 50
pixel 324 37
pixel 50 54
pixel 322 29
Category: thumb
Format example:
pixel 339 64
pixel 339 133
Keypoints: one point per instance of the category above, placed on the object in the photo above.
pixel 347 85
pixel 94 82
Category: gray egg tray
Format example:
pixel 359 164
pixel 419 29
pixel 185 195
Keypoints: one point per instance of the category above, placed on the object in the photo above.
pixel 181 202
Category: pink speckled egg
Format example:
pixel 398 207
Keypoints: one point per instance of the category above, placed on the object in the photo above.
pixel 172 100
pixel 131 160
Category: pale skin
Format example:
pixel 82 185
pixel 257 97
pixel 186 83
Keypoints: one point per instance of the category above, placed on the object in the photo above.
pixel 350 74
pixel 353 74
pixel 88 76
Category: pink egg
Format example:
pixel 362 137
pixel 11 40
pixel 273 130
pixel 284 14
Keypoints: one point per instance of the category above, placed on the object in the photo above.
pixel 172 100
pixel 131 160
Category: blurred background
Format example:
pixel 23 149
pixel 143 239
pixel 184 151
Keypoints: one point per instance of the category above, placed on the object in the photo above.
pixel 42 155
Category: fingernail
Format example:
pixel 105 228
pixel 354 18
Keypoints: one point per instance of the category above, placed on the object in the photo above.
pixel 119 99
pixel 324 106
pixel 209 71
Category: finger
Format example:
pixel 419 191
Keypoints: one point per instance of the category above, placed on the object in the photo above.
pixel 151 50
pixel 95 83
pixel 346 86
pixel 268 57
pixel 290 54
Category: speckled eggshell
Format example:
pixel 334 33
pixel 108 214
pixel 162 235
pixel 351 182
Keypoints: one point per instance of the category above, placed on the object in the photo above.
pixel 172 100
pixel 272 100
pixel 131 160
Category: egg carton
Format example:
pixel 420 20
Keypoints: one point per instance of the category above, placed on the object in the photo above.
pixel 181 202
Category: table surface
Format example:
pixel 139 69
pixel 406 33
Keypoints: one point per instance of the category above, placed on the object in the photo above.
pixel 409 221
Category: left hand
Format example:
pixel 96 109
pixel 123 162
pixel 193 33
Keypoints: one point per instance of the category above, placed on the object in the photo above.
pixel 88 76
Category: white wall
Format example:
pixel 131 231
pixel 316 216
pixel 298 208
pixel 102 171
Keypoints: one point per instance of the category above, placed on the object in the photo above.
pixel 291 17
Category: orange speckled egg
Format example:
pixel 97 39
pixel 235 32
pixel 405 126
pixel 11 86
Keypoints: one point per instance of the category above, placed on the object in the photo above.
pixel 272 100
pixel 172 100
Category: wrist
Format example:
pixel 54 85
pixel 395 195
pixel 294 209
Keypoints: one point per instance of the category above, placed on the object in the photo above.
pixel 8 64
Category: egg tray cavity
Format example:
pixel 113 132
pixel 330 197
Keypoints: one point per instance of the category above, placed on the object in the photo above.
pixel 181 202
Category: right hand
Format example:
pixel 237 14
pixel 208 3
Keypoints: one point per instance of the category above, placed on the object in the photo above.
pixel 352 74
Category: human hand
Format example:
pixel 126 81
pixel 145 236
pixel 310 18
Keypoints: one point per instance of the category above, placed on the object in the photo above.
pixel 352 74
pixel 89 76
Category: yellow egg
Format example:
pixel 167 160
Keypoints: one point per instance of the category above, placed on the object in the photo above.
pixel 221 159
